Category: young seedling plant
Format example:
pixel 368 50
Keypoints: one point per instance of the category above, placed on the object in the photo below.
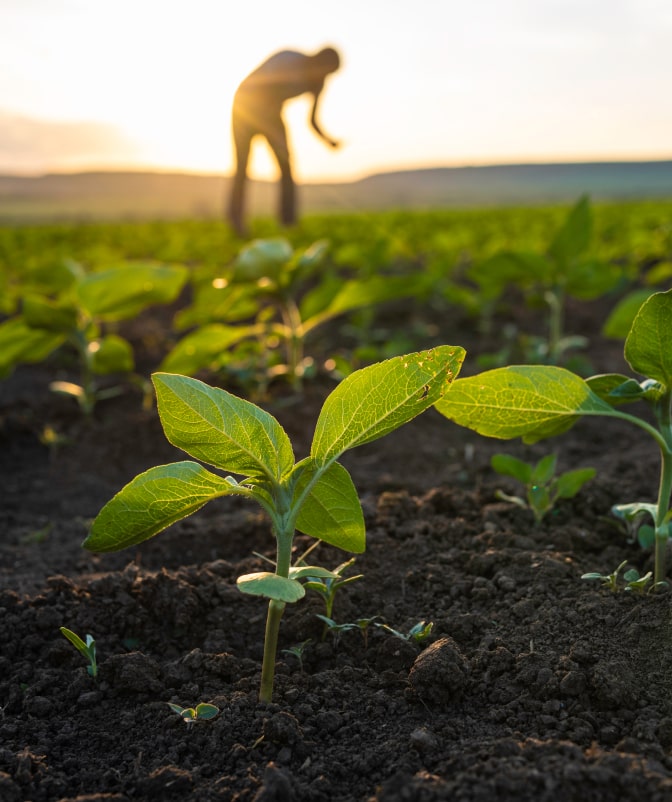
pixel 542 487
pixel 634 582
pixel 538 401
pixel 315 495
pixel 190 715
pixel 86 648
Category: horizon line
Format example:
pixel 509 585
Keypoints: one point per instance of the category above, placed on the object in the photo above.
pixel 375 171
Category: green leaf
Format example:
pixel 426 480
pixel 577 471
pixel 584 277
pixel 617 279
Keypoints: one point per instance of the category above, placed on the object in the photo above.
pixel 332 511
pixel 528 401
pixel 622 316
pixel 262 258
pixel 647 347
pixel 271 586
pixel 153 501
pixel 615 388
pixel 574 236
pixel 43 313
pixel 303 571
pixel 544 470
pixel 76 641
pixel 221 429
pixel 356 294
pixel 506 465
pixel 375 400
pixel 21 344
pixel 205 711
pixel 112 354
pixel 124 292
pixel 571 482
pixel 203 349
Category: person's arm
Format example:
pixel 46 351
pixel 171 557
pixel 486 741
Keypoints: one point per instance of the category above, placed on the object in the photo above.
pixel 313 120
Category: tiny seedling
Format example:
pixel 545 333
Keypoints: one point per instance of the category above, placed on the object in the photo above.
pixel 298 650
pixel 543 488
pixel 315 495
pixel 632 581
pixel 417 633
pixel 328 586
pixel 86 648
pixel 539 401
pixel 336 629
pixel 608 580
pixel 363 625
pixel 190 715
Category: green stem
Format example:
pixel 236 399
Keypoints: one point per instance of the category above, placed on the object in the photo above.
pixel 665 487
pixel 284 535
pixel 275 611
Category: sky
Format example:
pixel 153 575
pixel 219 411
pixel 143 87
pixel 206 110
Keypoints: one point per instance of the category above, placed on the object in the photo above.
pixel 90 84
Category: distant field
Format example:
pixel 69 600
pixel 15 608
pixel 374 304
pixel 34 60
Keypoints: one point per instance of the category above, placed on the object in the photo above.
pixel 143 196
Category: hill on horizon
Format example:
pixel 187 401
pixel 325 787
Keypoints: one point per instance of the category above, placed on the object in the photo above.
pixel 153 195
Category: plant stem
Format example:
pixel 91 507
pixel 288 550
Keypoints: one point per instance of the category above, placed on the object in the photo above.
pixel 275 611
pixel 284 534
pixel 662 409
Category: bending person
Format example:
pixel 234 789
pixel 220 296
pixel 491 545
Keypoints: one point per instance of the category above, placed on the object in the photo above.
pixel 257 110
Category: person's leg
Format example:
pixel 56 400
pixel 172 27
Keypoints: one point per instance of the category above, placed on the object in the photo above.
pixel 277 139
pixel 242 140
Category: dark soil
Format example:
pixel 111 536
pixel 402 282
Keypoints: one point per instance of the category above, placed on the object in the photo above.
pixel 534 684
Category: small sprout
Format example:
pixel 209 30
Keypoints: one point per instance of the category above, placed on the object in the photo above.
pixel 336 629
pixel 86 649
pixel 190 715
pixel 609 580
pixel 363 624
pixel 327 587
pixel 298 651
pixel 633 582
pixel 543 487
pixel 418 633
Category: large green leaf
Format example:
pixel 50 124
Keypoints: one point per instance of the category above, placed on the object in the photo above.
pixel 375 400
pixel 204 348
pixel 20 344
pixel 222 429
pixel 528 401
pixel 356 294
pixel 332 511
pixel 647 347
pixel 153 501
pixel 123 292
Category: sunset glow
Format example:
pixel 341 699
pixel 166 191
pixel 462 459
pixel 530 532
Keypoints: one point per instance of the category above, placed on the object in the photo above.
pixel 94 83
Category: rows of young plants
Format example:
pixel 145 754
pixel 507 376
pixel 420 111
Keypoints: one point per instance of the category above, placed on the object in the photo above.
pixel 290 305
pixel 246 314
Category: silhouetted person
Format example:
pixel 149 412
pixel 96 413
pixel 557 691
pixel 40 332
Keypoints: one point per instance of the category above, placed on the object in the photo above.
pixel 257 110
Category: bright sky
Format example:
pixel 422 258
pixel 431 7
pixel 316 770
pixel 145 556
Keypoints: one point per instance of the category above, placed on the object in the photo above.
pixel 148 83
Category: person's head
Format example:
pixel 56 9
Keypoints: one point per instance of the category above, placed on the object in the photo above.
pixel 327 60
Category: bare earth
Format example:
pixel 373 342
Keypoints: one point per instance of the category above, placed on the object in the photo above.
pixel 534 685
